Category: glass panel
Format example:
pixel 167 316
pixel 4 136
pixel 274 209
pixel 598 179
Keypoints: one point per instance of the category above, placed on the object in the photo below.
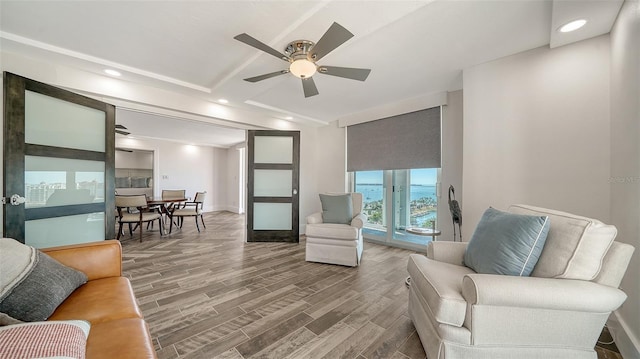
pixel 59 231
pixel 415 205
pixel 273 183
pixel 371 185
pixel 273 149
pixel 53 122
pixel 59 181
pixel 401 193
pixel 272 216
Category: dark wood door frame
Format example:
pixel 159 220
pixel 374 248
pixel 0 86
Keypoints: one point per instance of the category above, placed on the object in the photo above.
pixel 274 235
pixel 15 149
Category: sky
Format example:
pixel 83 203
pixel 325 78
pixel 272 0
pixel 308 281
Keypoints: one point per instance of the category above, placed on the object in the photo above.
pixel 424 176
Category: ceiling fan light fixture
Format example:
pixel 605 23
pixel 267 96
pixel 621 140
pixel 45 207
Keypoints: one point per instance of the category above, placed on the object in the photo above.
pixel 302 56
pixel 302 68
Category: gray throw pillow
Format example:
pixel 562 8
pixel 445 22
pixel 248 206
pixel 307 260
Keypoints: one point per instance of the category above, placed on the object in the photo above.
pixel 42 291
pixel 123 182
pixel 138 182
pixel 337 208
pixel 506 243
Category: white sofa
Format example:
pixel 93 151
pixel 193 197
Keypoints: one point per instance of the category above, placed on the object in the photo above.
pixel 336 243
pixel 558 312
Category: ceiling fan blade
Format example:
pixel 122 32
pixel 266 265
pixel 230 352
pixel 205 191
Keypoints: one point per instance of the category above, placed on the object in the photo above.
pixel 309 87
pixel 334 37
pixel 247 39
pixel 346 72
pixel 266 76
pixel 123 132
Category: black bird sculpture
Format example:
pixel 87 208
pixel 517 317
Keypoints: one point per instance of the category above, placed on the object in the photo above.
pixel 456 212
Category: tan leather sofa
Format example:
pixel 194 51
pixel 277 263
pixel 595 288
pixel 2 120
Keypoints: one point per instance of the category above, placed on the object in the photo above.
pixel 106 301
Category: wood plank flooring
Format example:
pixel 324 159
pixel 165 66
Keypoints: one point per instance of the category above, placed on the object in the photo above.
pixel 210 295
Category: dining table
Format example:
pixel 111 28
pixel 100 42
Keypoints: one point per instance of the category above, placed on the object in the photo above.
pixel 165 204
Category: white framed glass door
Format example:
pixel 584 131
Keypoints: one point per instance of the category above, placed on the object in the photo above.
pixel 373 186
pixel 415 204
pixel 396 201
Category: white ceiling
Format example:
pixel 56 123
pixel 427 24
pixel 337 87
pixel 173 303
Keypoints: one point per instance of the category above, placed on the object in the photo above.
pixel 414 48
pixel 162 127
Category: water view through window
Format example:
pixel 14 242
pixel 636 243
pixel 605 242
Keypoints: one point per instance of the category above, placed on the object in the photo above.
pixel 413 201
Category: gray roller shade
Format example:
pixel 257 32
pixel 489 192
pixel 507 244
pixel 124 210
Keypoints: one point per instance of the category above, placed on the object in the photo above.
pixel 410 140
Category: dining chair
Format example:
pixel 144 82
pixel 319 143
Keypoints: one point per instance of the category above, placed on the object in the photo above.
pixel 173 194
pixel 190 209
pixel 123 205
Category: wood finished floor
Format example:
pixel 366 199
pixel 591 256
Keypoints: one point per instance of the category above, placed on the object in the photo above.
pixel 210 295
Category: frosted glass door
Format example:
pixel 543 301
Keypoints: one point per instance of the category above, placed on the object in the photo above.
pixel 59 165
pixel 272 196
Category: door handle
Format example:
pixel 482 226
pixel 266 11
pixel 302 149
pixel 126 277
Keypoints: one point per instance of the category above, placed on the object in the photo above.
pixel 17 200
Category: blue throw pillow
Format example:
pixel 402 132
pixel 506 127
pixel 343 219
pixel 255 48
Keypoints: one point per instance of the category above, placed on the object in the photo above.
pixel 337 208
pixel 506 243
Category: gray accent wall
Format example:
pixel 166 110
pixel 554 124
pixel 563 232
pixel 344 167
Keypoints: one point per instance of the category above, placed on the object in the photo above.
pixel 560 128
pixel 625 167
pixel 536 131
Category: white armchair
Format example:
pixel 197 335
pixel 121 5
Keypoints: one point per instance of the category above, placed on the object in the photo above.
pixel 558 312
pixel 336 243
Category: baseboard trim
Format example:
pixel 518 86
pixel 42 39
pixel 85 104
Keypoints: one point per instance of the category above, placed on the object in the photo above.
pixel 233 209
pixel 221 208
pixel 627 343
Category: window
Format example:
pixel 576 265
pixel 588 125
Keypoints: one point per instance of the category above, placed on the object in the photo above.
pixel 395 200
pixel 372 186
pixel 395 164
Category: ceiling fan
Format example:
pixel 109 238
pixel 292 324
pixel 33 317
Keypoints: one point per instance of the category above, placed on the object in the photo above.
pixel 302 56
pixel 121 130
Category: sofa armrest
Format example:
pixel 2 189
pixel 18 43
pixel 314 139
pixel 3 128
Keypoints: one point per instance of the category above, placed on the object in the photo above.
pixel 359 220
pixel 95 259
pixel 540 293
pixel 448 252
pixel 315 218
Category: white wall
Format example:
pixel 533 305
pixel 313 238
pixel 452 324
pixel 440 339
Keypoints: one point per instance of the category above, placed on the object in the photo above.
pixel 216 176
pixel 331 160
pixel 536 131
pixel 309 173
pixel 193 168
pixel 625 166
pixel 234 179
pixel 451 173
pixel 136 159
pixel 324 160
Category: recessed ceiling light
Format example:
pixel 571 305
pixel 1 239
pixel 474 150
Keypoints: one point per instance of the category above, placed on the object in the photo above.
pixel 288 118
pixel 112 72
pixel 222 100
pixel 573 25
